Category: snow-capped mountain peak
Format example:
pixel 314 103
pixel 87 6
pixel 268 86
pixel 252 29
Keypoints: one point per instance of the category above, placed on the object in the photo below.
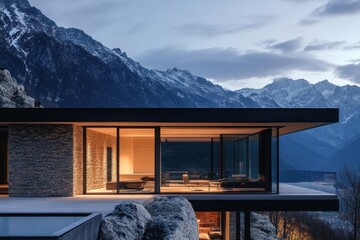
pixel 325 88
pixel 63 66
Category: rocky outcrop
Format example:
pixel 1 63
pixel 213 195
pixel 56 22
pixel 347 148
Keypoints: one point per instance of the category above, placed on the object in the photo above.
pixel 128 221
pixel 164 218
pixel 12 94
pixel 261 228
pixel 172 218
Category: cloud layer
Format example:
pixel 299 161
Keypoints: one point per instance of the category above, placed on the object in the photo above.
pixel 211 30
pixel 288 46
pixel 226 64
pixel 324 45
pixel 333 8
pixel 349 72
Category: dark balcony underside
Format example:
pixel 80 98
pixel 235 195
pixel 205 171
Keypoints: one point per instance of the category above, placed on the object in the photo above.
pixel 290 198
pixel 208 203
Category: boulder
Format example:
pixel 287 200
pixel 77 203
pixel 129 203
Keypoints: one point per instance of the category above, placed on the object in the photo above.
pixel 261 228
pixel 128 221
pixel 173 218
pixel 12 94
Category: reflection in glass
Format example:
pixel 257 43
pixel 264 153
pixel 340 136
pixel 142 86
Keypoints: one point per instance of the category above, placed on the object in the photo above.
pixel 214 160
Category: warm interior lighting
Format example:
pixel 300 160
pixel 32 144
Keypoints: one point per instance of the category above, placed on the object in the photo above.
pixel 205 132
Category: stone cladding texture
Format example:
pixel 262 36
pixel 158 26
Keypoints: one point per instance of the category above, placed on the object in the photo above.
pixel 78 160
pixel 41 160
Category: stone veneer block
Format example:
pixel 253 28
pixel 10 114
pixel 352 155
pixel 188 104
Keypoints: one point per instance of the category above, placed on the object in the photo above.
pixel 96 165
pixel 41 160
pixel 78 160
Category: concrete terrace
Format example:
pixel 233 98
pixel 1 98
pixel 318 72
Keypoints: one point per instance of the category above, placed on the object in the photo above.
pixel 289 196
pixel 78 204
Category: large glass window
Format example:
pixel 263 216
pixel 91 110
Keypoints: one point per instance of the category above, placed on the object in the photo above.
pixel 188 164
pixel 274 159
pixel 210 225
pixel 137 160
pixel 241 163
pixel 215 159
pixel 101 160
pixel 120 160
pixel 198 159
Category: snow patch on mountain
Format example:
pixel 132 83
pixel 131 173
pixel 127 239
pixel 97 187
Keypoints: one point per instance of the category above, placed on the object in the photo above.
pixel 20 16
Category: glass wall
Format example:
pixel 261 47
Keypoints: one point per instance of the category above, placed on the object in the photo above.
pixel 137 160
pixel 101 160
pixel 241 163
pixel 198 159
pixel 210 225
pixel 254 158
pixel 120 160
pixel 274 159
pixel 215 160
pixel 187 160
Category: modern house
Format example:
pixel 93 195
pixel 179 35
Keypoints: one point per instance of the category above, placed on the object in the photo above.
pixel 222 160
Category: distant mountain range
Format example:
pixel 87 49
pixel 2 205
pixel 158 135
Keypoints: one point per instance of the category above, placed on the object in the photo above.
pixel 324 147
pixel 67 68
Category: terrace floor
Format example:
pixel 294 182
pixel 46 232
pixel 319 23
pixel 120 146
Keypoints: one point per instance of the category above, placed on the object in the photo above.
pixel 289 198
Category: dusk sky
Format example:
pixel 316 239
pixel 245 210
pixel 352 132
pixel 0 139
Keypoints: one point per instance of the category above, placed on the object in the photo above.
pixel 237 44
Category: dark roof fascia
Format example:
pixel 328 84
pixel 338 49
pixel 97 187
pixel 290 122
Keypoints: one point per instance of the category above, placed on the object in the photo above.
pixel 266 205
pixel 195 115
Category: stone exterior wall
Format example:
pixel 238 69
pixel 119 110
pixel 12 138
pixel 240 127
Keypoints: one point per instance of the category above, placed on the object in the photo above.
pixel 41 160
pixel 96 165
pixel 78 159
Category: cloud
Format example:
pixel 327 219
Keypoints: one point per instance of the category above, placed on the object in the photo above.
pixel 211 30
pixel 354 60
pixel 338 7
pixel 333 8
pixel 353 46
pixel 87 14
pixel 301 1
pixel 350 72
pixel 225 64
pixel 324 46
pixel 288 46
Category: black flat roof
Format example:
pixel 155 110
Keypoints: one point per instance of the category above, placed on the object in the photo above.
pixel 243 115
pixel 301 117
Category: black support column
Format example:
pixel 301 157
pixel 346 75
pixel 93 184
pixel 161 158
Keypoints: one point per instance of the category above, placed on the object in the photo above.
pixel 157 160
pixel 265 157
pixel 117 160
pixel 247 225
pixel 84 160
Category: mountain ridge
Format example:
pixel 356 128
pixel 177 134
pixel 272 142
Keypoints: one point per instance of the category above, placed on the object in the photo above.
pixel 32 50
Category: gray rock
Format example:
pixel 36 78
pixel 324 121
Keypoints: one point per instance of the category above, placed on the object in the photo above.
pixel 127 222
pixel 173 218
pixel 261 228
pixel 13 94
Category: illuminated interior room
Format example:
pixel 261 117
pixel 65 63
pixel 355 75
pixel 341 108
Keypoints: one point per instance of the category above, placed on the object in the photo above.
pixel 135 149
pixel 217 159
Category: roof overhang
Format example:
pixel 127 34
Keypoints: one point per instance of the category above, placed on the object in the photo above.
pixel 287 119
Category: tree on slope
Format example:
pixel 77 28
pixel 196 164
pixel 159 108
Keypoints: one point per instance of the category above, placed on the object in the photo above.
pixel 349 193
